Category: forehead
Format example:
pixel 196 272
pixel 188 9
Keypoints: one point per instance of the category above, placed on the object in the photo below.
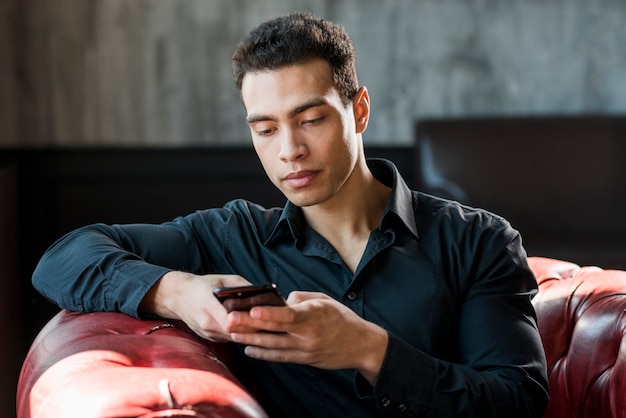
pixel 287 87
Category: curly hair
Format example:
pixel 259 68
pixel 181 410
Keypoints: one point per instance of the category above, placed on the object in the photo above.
pixel 294 39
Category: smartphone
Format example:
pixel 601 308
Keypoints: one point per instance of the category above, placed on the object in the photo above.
pixel 243 298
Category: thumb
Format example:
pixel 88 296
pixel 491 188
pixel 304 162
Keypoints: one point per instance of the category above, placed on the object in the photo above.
pixel 300 296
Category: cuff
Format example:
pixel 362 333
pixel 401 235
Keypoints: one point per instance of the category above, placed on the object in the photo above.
pixel 405 383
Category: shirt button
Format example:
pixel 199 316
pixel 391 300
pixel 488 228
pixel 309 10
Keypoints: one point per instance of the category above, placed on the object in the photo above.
pixel 402 407
pixel 385 402
pixel 352 295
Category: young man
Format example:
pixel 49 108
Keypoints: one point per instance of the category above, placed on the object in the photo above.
pixel 398 302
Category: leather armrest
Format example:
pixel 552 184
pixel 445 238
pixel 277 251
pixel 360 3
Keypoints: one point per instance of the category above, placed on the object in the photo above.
pixel 581 313
pixel 113 365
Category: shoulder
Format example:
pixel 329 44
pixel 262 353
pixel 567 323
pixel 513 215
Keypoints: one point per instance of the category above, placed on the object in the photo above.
pixel 471 242
pixel 452 219
pixel 438 206
pixel 239 214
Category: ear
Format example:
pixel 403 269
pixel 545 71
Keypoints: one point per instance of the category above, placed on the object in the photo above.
pixel 361 109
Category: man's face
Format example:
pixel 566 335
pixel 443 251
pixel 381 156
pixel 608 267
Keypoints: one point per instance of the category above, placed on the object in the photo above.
pixel 306 139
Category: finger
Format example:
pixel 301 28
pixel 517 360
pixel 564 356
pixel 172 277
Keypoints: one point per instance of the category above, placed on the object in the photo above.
pixel 271 314
pixel 279 356
pixel 300 296
pixel 241 329
pixel 267 340
pixel 228 280
pixel 284 353
pixel 242 322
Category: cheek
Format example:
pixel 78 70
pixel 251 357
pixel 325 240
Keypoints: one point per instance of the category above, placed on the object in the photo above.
pixel 350 146
pixel 350 137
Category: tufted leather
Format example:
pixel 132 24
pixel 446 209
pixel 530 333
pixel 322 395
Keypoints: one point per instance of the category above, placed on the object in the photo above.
pixel 109 364
pixel 582 321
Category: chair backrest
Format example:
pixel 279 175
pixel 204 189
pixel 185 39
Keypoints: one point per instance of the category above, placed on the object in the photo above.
pixel 561 181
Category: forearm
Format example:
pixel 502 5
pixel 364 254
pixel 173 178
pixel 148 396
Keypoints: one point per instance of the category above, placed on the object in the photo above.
pixel 421 385
pixel 97 268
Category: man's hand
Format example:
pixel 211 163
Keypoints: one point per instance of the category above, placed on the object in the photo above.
pixel 313 329
pixel 190 298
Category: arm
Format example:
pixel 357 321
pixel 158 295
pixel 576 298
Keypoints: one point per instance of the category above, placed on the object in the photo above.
pixel 107 268
pixel 500 369
pixel 136 269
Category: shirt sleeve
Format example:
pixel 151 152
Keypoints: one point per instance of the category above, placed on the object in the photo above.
pixel 500 370
pixel 111 268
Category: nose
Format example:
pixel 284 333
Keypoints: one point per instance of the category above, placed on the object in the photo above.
pixel 292 147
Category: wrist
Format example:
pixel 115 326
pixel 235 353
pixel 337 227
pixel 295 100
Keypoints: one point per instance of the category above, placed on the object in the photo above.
pixel 374 354
pixel 161 299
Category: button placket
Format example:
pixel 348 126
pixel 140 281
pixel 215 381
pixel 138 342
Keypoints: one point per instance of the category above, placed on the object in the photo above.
pixel 354 300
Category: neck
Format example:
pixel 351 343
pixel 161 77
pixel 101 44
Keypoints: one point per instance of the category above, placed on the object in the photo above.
pixel 347 220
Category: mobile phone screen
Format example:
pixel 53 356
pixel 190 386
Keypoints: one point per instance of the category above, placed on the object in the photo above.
pixel 243 298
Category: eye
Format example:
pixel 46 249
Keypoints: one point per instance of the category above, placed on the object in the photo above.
pixel 314 121
pixel 263 129
pixel 266 132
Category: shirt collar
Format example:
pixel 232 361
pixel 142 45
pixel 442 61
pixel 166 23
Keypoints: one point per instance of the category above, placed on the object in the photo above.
pixel 399 207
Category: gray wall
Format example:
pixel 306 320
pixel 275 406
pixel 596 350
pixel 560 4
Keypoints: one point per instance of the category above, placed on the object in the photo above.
pixel 157 72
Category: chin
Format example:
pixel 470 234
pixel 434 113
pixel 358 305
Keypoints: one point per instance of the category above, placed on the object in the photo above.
pixel 303 199
pixel 303 203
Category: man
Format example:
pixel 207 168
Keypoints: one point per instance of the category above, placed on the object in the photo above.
pixel 399 303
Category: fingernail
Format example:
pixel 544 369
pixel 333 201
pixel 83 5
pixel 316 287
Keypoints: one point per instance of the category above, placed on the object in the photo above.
pixel 235 317
pixel 249 351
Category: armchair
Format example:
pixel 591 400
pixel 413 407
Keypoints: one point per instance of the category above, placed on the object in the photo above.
pixel 109 364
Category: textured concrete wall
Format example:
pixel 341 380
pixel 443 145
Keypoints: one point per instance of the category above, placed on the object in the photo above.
pixel 158 72
pixel 458 58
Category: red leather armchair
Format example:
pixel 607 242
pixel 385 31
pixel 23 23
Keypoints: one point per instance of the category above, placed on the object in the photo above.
pixel 109 364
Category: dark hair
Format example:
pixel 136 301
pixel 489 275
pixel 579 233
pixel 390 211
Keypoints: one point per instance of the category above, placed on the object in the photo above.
pixel 294 39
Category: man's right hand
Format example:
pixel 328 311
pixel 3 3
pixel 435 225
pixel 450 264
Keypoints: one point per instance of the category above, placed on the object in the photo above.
pixel 189 298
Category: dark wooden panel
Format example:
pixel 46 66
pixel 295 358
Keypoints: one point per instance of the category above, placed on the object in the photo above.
pixel 12 344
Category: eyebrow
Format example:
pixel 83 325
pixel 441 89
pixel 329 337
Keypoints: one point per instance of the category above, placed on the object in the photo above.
pixel 318 101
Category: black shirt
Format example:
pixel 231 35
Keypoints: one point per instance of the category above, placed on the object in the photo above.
pixel 449 283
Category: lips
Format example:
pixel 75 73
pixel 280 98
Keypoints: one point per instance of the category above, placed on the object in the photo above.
pixel 300 178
